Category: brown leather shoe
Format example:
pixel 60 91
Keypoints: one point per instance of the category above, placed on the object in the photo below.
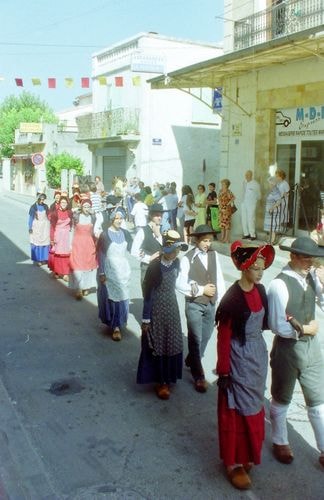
pixel 321 460
pixel 163 391
pixel 239 478
pixel 283 453
pixel 201 385
pixel 116 335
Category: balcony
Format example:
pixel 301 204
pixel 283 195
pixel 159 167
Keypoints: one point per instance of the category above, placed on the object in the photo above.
pixel 284 18
pixel 106 125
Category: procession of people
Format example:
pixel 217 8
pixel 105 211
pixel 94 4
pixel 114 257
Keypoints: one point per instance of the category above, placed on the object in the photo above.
pixel 89 249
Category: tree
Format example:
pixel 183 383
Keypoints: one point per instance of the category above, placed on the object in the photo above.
pixel 56 163
pixel 15 110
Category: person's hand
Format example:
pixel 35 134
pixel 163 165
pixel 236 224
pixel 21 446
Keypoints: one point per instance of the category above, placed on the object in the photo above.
pixel 224 383
pixel 209 290
pixel 145 327
pixel 311 328
pixel 102 278
pixel 296 325
pixel 154 256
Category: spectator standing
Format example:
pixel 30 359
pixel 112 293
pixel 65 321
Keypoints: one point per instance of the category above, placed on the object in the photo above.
pixel 271 222
pixel 95 198
pixel 200 202
pixel 211 201
pixel 190 214
pixel 225 200
pixel 284 189
pixel 99 185
pixel 251 195
pixel 149 198
pixel 139 212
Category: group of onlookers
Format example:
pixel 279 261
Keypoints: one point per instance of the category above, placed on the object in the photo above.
pixel 89 250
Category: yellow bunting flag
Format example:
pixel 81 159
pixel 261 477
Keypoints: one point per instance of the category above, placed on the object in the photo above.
pixel 36 81
pixel 69 82
pixel 136 81
pixel 102 80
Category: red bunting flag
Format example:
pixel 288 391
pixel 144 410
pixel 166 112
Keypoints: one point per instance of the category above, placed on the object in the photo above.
pixel 85 82
pixel 52 83
pixel 119 81
pixel 19 82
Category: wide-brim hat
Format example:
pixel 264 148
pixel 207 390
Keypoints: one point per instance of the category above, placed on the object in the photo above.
pixel 155 207
pixel 171 240
pixel 203 229
pixel 244 257
pixel 112 200
pixel 303 245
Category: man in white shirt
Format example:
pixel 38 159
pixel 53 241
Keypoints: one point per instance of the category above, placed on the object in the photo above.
pixel 139 212
pixel 296 352
pixel 251 195
pixel 201 281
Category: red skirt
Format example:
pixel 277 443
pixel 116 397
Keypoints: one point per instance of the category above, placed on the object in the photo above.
pixel 240 436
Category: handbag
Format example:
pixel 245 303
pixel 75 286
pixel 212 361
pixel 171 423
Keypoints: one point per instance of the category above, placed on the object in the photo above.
pixel 233 208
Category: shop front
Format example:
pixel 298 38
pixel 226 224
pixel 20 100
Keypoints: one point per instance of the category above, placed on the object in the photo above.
pixel 300 154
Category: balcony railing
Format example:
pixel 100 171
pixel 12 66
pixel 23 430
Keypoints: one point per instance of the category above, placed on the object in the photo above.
pixel 282 19
pixel 106 124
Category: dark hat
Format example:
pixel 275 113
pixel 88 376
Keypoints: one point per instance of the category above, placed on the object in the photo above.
pixel 245 256
pixel 112 201
pixel 302 246
pixel 155 207
pixel 203 229
pixel 41 195
pixel 171 240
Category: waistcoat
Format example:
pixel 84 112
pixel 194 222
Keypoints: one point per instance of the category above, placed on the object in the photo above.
pixel 301 303
pixel 202 276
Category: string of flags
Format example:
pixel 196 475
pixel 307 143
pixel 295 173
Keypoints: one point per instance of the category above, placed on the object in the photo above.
pixel 117 81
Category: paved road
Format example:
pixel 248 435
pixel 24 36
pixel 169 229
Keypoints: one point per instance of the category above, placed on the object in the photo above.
pixel 104 437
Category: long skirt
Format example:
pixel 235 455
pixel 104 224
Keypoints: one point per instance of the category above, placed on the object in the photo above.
pixel 240 437
pixel 113 314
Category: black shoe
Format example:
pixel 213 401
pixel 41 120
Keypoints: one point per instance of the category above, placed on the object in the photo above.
pixel 247 237
pixel 252 238
pixel 187 362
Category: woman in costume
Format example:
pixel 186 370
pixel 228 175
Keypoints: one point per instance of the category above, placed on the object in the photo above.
pixel 114 273
pixel 83 258
pixel 162 345
pixel 39 230
pixel 61 224
pixel 242 364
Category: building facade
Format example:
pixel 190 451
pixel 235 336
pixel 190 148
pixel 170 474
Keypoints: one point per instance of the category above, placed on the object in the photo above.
pixel 271 79
pixel 154 136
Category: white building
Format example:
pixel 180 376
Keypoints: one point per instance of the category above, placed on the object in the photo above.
pixel 155 136
pixel 271 77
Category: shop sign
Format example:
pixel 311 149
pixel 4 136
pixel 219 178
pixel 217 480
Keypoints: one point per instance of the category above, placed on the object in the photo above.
pixel 300 122
pixel 33 128
pixel 37 159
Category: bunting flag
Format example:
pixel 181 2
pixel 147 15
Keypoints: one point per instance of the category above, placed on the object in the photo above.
pixel 102 80
pixel 36 81
pixel 51 83
pixel 136 81
pixel 19 82
pixel 85 82
pixel 69 82
pixel 119 81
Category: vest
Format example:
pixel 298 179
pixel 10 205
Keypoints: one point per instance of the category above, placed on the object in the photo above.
pixel 301 303
pixel 150 244
pixel 202 276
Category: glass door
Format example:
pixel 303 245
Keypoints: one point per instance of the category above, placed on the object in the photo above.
pixel 311 184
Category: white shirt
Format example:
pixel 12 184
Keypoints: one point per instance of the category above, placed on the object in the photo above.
pixel 136 250
pixel 278 297
pixel 185 286
pixel 139 212
pixel 251 192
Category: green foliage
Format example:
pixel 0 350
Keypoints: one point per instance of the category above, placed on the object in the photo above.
pixel 56 163
pixel 24 108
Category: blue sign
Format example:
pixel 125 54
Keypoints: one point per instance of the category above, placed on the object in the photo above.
pixel 217 104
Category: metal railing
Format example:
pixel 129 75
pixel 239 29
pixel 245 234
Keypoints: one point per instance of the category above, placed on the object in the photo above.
pixel 105 124
pixel 283 18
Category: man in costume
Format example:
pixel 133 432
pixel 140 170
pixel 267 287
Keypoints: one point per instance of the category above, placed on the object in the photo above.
pixel 296 352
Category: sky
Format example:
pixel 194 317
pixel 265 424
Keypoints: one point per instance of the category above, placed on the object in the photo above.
pixel 56 38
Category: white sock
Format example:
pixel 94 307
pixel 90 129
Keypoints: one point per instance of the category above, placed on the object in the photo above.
pixel 278 418
pixel 316 418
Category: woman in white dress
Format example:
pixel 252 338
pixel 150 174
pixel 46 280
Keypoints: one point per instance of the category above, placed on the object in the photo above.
pixel 114 274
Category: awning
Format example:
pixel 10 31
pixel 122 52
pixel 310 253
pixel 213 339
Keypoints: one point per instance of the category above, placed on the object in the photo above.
pixel 21 156
pixel 211 73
